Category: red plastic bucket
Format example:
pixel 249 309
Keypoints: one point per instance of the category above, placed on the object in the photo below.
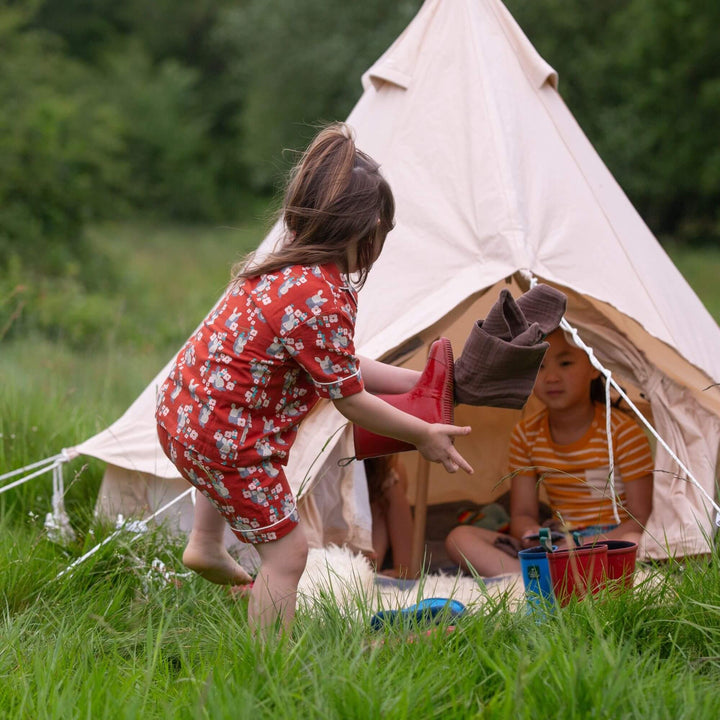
pixel 621 556
pixel 577 571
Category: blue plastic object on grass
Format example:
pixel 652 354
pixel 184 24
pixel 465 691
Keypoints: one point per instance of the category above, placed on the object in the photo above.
pixel 426 611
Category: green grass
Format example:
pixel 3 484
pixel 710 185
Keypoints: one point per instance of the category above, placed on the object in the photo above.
pixel 701 268
pixel 171 275
pixel 113 640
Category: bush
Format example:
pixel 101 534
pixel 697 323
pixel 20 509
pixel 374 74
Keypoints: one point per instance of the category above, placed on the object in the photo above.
pixel 59 307
pixel 166 135
pixel 300 64
pixel 61 161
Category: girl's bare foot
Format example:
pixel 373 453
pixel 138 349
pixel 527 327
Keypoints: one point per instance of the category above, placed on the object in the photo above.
pixel 214 564
pixel 240 591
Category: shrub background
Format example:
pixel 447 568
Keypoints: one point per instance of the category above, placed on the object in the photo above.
pixel 181 111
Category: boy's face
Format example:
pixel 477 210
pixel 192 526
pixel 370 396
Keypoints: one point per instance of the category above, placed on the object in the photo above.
pixel 563 381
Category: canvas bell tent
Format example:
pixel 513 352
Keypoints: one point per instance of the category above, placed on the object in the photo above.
pixel 495 186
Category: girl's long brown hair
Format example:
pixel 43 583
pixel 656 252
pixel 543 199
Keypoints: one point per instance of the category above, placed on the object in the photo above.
pixel 335 195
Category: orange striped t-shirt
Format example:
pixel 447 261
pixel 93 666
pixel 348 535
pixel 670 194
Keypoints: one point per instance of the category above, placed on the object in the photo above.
pixel 576 476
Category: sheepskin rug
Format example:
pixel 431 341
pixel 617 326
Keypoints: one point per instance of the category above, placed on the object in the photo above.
pixel 347 578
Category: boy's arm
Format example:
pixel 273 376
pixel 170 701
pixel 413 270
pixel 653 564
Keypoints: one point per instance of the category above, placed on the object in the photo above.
pixel 434 441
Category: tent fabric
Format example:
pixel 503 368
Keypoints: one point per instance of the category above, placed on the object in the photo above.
pixel 494 181
pixel 131 441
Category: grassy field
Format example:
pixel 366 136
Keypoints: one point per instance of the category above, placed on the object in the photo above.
pixel 701 268
pixel 115 640
pixel 54 396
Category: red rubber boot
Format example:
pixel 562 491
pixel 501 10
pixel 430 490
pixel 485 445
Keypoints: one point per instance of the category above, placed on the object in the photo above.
pixel 431 400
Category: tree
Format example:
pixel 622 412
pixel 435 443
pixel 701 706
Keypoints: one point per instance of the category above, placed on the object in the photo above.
pixel 301 64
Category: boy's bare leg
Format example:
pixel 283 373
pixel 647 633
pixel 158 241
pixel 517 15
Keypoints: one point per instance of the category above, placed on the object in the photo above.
pixel 274 592
pixel 472 548
pixel 206 553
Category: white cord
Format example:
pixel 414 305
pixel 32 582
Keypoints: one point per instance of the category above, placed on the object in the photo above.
pixel 92 551
pixel 565 325
pixel 49 463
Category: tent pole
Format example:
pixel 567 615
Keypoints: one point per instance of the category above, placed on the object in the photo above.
pixel 419 516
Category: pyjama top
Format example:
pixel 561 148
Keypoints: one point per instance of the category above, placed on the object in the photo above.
pixel 258 363
pixel 576 477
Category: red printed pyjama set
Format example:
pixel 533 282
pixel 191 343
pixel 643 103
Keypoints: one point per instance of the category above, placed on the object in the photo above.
pixel 228 412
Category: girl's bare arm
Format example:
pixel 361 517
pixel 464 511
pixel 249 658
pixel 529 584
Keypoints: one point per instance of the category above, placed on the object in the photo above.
pixel 380 377
pixel 433 440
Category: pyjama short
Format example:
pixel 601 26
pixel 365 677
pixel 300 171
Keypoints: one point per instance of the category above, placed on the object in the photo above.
pixel 256 501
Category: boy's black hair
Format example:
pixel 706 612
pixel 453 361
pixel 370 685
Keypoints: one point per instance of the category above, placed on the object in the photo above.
pixel 597 392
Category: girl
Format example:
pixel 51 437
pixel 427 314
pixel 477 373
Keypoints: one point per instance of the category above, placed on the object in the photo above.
pixel 280 338
pixel 565 448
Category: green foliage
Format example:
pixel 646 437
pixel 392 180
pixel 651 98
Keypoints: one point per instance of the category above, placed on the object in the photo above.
pixel 161 65
pixel 60 156
pixel 92 126
pixel 61 165
pixel 301 65
pixel 165 135
pixel 679 54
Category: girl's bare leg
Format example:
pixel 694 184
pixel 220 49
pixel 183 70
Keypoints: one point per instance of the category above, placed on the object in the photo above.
pixel 205 552
pixel 274 592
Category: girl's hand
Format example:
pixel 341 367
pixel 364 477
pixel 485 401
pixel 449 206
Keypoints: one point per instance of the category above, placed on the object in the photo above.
pixel 433 440
pixel 437 446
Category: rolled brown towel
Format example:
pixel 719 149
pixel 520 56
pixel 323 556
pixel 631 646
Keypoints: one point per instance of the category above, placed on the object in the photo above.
pixel 502 355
